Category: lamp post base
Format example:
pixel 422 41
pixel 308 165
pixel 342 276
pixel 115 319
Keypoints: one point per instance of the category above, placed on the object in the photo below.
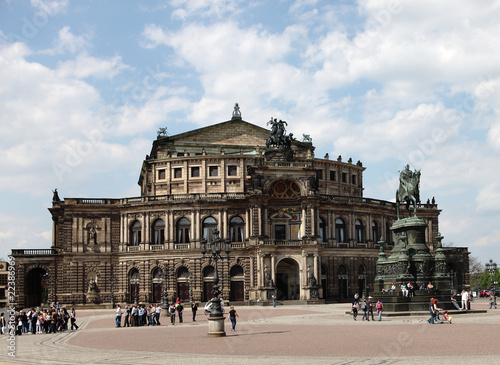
pixel 216 327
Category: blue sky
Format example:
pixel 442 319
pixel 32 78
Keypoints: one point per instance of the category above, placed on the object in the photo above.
pixel 85 85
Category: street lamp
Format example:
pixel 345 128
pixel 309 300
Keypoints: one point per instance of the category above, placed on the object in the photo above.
pixel 214 249
pixel 492 268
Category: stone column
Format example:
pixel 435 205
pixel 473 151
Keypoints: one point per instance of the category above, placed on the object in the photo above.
pixel 273 259
pixel 304 269
pixel 259 269
pixel 224 231
pixel 316 272
pixel 260 221
pixel 313 220
pixel 264 222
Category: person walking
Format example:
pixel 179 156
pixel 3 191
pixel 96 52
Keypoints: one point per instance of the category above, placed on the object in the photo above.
pixel 369 308
pixel 380 309
pixel 354 309
pixel 431 310
pixel 72 316
pixel 180 308
pixel 171 310
pixel 126 322
pixel 364 307
pixel 232 317
pixel 274 300
pixel 436 310
pixel 194 309
pixel 493 300
pixel 118 318
pixel 158 310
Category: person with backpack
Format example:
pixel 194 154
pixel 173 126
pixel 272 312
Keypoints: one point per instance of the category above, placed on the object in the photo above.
pixel 380 309
pixel 364 307
pixel 354 309
pixel 171 310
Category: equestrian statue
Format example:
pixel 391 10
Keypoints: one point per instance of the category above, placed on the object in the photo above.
pixel 408 190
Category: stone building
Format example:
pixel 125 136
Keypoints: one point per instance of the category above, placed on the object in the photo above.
pixel 297 224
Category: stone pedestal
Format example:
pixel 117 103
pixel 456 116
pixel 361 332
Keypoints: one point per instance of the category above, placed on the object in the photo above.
pixel 411 259
pixel 216 327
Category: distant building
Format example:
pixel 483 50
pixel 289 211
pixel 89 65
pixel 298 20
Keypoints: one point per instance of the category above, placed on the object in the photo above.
pixel 297 224
pixel 4 277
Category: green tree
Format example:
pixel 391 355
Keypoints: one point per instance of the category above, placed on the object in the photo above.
pixel 485 280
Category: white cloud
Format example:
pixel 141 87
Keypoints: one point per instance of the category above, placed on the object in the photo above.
pixel 87 66
pixel 68 42
pixel 490 240
pixel 488 198
pixel 186 9
pixel 50 7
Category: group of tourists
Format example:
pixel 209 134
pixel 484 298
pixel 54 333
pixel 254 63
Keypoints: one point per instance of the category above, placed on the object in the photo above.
pixel 141 315
pixel 366 305
pixel 38 321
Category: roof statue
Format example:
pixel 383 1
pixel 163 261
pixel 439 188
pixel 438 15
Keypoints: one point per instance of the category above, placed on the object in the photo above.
pixel 55 197
pixel 408 190
pixel 278 138
pixel 162 132
pixel 306 138
pixel 236 112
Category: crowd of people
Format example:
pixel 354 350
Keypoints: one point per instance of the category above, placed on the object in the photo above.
pixel 37 321
pixel 366 305
pixel 141 315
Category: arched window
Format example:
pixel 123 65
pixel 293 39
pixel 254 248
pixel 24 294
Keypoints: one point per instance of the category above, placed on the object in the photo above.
pixel 340 230
pixel 183 273
pixel 322 230
pixel 208 272
pixel 236 229
pixel 183 228
pixel 135 233
pixel 375 232
pixel 158 234
pixel 236 270
pixel 388 234
pixel 359 231
pixel 209 225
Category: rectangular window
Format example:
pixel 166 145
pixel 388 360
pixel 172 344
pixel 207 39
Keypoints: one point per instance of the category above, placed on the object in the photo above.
pixel 320 174
pixel 344 177
pixel 161 174
pixel 213 170
pixel 178 172
pixel 180 154
pixel 280 232
pixel 195 171
pixel 333 176
pixel 354 179
pixel 232 170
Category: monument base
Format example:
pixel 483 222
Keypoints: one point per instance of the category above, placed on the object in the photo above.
pixel 216 327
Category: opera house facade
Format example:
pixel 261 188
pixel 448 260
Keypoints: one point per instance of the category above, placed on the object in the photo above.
pixel 296 225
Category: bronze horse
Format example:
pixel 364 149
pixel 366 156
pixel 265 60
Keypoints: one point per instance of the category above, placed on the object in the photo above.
pixel 409 193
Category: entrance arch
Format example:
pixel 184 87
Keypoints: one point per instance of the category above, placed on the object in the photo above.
pixel 288 280
pixel 36 287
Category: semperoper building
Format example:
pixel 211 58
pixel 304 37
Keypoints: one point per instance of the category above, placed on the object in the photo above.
pixel 298 226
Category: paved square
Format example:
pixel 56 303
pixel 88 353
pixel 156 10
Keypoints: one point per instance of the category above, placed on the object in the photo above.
pixel 298 334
